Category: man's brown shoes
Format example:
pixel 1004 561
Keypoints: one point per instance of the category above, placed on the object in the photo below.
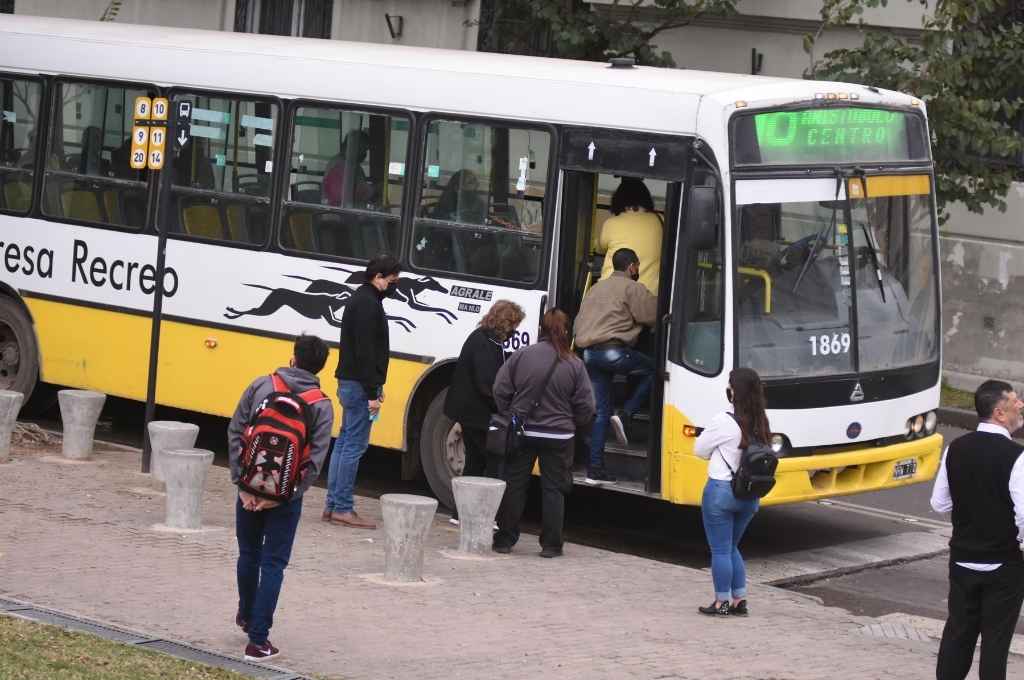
pixel 351 519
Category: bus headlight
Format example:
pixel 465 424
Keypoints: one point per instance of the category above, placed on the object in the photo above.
pixel 931 421
pixel 779 444
pixel 918 425
pixel 908 428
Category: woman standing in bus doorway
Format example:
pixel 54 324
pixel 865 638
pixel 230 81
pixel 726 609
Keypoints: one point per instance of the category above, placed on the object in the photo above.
pixel 636 226
pixel 548 387
pixel 470 400
pixel 725 516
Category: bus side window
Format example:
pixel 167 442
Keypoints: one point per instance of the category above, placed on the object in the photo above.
pixel 481 209
pixel 88 176
pixel 19 109
pixel 346 182
pixel 700 304
pixel 221 175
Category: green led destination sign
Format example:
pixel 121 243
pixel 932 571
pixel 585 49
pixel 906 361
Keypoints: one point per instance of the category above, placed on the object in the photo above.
pixel 829 135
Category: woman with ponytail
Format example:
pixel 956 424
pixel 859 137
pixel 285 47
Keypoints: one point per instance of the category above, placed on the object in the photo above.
pixel 725 516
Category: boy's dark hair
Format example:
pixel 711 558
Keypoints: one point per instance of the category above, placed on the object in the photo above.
pixel 988 395
pixel 383 264
pixel 632 193
pixel 623 257
pixel 310 353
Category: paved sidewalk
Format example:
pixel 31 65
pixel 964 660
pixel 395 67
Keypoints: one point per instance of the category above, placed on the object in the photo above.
pixel 79 538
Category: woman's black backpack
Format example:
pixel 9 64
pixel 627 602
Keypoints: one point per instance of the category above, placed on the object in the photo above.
pixel 755 475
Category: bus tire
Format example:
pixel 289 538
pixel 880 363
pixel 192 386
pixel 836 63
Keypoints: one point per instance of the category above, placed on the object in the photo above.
pixel 19 351
pixel 441 452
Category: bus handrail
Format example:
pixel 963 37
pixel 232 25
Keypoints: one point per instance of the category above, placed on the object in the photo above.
pixel 751 271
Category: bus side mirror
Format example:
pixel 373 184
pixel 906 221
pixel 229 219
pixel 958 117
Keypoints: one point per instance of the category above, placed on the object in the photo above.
pixel 702 218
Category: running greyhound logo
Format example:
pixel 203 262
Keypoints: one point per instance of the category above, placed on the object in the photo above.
pixel 325 299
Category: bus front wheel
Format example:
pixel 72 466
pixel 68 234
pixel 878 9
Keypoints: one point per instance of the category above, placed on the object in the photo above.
pixel 19 353
pixel 442 454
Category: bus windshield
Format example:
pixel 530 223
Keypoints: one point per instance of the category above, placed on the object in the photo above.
pixel 830 286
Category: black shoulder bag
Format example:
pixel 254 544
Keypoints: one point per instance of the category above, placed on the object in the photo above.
pixel 505 433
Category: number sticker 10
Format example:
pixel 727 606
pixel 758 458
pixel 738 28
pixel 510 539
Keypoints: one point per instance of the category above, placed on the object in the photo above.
pixel 825 345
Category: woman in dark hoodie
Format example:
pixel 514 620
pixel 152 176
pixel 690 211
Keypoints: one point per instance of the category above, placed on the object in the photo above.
pixel 470 401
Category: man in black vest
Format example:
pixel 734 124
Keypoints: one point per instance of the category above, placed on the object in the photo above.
pixel 981 480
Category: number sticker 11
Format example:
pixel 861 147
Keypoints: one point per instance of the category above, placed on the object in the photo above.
pixel 825 345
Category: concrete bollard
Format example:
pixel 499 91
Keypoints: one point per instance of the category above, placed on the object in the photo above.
pixel 79 411
pixel 407 520
pixel 477 499
pixel 165 435
pixel 185 473
pixel 10 404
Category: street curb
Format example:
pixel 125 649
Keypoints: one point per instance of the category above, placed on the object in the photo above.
pixel 808 579
pixel 179 650
pixel 957 417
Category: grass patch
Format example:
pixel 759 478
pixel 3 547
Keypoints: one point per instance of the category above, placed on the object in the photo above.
pixel 954 398
pixel 33 651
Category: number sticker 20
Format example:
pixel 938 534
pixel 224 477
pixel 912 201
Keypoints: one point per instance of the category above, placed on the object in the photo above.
pixel 516 341
pixel 825 345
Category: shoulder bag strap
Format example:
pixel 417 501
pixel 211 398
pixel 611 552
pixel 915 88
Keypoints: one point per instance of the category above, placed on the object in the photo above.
pixel 718 449
pixel 543 387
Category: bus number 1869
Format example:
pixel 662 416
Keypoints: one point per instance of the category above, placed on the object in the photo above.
pixel 517 340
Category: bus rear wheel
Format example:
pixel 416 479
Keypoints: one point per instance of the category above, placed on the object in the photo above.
pixel 442 453
pixel 19 353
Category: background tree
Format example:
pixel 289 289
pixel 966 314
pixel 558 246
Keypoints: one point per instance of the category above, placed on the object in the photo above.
pixel 573 29
pixel 968 67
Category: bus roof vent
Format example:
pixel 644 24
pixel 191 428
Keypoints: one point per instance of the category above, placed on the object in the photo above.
pixel 622 62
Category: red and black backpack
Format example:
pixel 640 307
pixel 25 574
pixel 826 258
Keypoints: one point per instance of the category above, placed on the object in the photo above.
pixel 275 445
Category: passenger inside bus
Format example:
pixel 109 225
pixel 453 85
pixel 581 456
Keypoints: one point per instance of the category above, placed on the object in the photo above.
pixel 345 182
pixel 634 225
pixel 460 200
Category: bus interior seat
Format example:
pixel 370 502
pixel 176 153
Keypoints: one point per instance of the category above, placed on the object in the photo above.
pixel 307 192
pixel 201 219
pixel 16 195
pixel 301 233
pixel 82 204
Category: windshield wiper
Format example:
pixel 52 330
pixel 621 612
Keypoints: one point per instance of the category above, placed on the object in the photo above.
pixel 823 235
pixel 869 235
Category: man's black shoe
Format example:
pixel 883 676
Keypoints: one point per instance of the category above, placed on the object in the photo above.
pixel 599 476
pixel 503 549
pixel 551 552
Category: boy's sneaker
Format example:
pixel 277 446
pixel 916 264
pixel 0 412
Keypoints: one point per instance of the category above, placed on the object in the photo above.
pixel 454 521
pixel 596 477
pixel 619 429
pixel 261 652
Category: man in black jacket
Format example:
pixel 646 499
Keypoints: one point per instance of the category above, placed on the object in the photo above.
pixel 981 480
pixel 362 372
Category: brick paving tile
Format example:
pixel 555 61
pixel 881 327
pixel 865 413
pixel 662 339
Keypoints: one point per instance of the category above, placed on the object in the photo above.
pixel 80 538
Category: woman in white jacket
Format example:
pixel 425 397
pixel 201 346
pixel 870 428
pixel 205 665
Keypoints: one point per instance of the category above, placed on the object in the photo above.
pixel 725 516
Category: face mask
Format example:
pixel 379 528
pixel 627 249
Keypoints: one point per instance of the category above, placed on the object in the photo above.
pixel 635 275
pixel 392 289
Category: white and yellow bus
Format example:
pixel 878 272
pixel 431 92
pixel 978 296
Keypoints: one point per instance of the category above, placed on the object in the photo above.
pixel 800 236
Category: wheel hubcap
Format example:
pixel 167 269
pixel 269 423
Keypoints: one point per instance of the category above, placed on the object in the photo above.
pixel 454 451
pixel 10 357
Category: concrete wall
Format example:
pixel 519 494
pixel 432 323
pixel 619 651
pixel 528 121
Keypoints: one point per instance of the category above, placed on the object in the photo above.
pixel 212 14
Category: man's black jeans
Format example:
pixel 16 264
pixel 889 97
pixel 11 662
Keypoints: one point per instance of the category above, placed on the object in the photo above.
pixel 264 547
pixel 986 603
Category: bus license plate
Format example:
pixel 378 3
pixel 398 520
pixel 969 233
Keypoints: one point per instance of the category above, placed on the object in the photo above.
pixel 905 468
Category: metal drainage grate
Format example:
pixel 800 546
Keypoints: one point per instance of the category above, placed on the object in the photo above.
pixel 74 623
pixel 175 649
pixel 190 653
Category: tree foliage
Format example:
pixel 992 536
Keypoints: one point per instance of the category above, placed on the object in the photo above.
pixel 968 67
pixel 573 29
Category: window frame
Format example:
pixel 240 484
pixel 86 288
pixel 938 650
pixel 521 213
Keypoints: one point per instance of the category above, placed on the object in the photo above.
pixel 43 122
pixel 550 198
pixel 285 180
pixel 54 83
pixel 679 307
pixel 168 189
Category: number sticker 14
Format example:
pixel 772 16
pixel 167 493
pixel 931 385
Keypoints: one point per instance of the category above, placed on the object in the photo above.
pixel 824 345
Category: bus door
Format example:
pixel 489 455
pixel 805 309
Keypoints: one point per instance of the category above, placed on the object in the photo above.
pixel 593 164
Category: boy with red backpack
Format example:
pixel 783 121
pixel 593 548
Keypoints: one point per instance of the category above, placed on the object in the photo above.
pixel 277 442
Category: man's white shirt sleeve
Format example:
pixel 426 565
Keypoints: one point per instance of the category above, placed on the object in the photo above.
pixel 941 500
pixel 1017 494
